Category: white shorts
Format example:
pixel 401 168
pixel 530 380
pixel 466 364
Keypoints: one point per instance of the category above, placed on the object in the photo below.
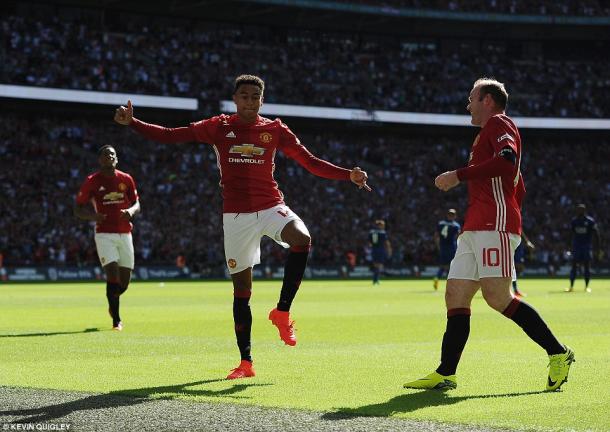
pixel 483 254
pixel 243 233
pixel 115 248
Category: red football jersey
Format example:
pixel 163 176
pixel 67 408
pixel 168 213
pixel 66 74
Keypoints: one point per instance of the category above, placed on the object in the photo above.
pixel 109 196
pixel 494 204
pixel 245 155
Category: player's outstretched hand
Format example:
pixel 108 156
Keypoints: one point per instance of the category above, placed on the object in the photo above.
pixel 446 181
pixel 359 177
pixel 124 115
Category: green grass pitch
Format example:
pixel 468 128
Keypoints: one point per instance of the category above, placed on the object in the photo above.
pixel 357 345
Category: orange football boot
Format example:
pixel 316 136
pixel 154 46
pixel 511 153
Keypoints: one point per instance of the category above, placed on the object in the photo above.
pixel 281 320
pixel 244 370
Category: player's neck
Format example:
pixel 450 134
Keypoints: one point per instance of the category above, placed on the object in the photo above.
pixel 491 114
pixel 108 172
pixel 245 121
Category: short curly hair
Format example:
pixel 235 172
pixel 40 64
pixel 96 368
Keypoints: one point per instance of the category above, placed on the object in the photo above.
pixel 249 79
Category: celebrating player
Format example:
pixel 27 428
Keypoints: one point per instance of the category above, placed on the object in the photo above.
pixel 583 228
pixel 245 145
pixel 381 248
pixel 492 228
pixel 445 239
pixel 115 202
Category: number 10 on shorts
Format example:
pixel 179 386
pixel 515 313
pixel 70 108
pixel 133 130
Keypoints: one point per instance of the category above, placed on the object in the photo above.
pixel 491 257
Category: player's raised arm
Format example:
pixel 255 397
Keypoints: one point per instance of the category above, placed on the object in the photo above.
pixel 124 116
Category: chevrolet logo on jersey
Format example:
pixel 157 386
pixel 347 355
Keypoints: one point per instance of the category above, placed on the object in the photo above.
pixel 113 197
pixel 247 150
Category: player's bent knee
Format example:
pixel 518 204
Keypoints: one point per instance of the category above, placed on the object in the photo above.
pixel 497 302
pixel 304 239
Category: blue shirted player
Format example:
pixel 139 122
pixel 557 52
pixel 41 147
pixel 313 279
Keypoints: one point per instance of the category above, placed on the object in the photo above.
pixel 524 247
pixel 583 230
pixel 381 248
pixel 445 238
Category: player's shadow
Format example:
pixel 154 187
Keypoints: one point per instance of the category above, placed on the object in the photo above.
pixel 122 398
pixel 410 402
pixel 87 330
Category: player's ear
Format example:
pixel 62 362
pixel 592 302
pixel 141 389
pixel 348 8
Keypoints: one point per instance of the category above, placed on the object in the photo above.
pixel 488 100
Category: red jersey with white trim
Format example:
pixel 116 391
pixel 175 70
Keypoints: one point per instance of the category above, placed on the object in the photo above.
pixel 245 155
pixel 494 204
pixel 109 196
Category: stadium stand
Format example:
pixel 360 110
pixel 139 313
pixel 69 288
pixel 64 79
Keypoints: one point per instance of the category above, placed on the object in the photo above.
pixel 43 162
pixel 306 67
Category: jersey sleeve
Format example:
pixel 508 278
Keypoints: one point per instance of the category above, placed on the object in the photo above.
pixel 162 134
pixel 501 136
pixel 205 130
pixel 292 147
pixel 84 194
pixel 132 192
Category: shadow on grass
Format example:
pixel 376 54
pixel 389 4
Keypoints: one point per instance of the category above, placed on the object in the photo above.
pixel 121 398
pixel 411 402
pixel 87 330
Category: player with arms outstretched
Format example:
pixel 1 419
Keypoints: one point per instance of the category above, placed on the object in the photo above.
pixel 115 202
pixel 245 145
pixel 492 229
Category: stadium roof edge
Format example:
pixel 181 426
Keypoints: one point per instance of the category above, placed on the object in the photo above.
pixel 96 97
pixel 288 110
pixel 352 114
pixel 438 14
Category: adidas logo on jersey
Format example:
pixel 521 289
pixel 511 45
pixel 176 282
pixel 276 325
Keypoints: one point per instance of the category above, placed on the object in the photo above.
pixel 102 189
pixel 230 135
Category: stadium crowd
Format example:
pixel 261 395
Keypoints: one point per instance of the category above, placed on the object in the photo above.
pixel 44 160
pixel 303 67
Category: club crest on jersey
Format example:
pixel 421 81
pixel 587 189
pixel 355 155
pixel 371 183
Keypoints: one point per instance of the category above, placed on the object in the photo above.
pixel 122 187
pixel 506 136
pixel 266 137
pixel 232 263
pixel 247 150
